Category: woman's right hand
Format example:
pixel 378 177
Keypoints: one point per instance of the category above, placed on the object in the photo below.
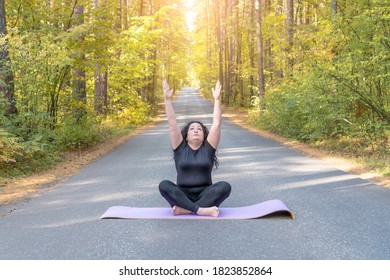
pixel 167 92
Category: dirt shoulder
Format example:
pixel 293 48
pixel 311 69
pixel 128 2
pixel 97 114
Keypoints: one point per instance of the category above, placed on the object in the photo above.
pixel 26 188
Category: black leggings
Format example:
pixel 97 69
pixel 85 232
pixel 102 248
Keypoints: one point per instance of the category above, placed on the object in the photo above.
pixel 193 198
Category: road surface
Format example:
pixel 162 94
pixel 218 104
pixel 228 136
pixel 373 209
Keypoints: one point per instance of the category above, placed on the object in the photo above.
pixel 338 215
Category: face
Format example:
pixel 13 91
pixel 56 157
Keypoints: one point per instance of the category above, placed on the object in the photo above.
pixel 195 132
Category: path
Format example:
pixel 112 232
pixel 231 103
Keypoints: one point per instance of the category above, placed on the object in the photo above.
pixel 338 215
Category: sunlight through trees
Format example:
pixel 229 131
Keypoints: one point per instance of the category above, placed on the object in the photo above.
pixel 71 70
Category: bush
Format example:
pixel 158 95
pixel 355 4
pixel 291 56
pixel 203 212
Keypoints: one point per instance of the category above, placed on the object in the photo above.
pixel 317 110
pixel 19 157
pixel 77 134
pixel 310 109
pixel 10 148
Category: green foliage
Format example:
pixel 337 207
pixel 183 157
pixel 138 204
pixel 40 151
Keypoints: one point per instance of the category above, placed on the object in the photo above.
pixel 75 134
pixel 337 90
pixel 362 63
pixel 10 148
pixel 50 50
pixel 130 111
pixel 18 157
pixel 339 93
pixel 22 152
pixel 307 110
pixel 41 65
pixel 133 62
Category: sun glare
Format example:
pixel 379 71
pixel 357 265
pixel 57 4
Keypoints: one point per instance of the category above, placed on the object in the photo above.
pixel 190 14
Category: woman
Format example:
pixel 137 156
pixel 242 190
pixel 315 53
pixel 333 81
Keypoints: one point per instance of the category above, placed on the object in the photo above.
pixel 194 153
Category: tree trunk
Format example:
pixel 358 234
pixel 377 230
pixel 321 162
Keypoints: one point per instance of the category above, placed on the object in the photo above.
pixel 125 15
pixel 219 38
pixel 268 58
pixel 79 87
pixel 300 10
pixel 252 48
pixel 6 75
pixel 307 16
pixel 118 16
pixel 334 7
pixel 101 99
pixel 290 34
pixel 209 42
pixel 239 83
pixel 141 8
pixel 101 79
pixel 225 51
pixel 232 11
pixel 260 59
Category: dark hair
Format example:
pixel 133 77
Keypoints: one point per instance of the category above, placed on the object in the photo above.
pixel 184 133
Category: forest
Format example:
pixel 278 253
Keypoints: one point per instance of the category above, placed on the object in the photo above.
pixel 76 72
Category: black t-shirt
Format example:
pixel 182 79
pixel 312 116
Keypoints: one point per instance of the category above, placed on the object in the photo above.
pixel 194 167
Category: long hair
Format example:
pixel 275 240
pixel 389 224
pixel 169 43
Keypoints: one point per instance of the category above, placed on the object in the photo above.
pixel 184 133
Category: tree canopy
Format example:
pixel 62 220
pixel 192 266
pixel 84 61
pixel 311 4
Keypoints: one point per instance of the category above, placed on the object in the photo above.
pixel 71 70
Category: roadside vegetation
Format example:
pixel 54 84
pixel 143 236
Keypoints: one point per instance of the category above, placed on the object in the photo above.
pixel 75 73
pixel 312 71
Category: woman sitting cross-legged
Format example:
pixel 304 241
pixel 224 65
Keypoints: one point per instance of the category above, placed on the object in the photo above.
pixel 194 154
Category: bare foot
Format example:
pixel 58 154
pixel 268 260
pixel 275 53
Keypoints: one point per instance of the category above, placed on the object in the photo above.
pixel 208 211
pixel 176 210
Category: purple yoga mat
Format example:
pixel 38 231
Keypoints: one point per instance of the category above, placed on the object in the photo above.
pixel 247 212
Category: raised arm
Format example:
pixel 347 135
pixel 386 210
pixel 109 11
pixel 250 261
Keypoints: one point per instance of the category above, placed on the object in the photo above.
pixel 174 130
pixel 215 130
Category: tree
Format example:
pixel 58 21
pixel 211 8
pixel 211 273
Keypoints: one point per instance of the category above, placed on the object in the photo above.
pixel 290 34
pixel 252 37
pixel 125 15
pixel 6 75
pixel 260 58
pixel 219 34
pixel 79 84
pixel 334 7
pixel 104 20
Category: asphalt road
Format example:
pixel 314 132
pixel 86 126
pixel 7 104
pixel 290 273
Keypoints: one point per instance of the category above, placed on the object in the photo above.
pixel 338 215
